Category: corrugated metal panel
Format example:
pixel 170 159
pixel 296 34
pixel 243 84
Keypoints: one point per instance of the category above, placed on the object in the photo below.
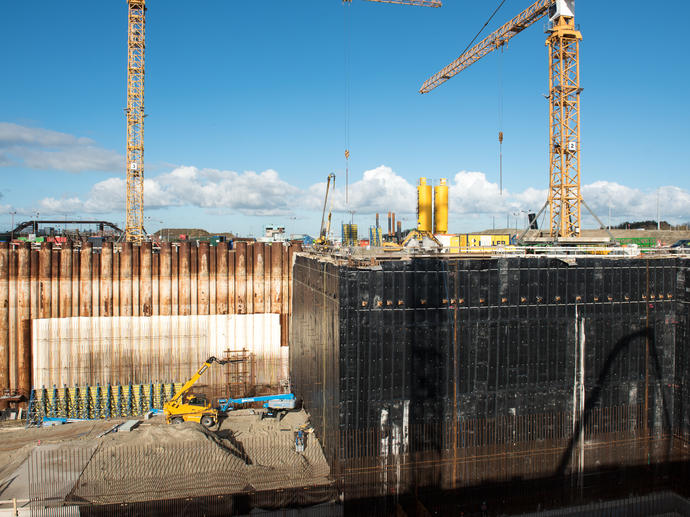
pixel 120 350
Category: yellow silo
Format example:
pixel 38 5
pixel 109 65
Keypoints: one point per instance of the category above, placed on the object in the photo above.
pixel 441 207
pixel 424 202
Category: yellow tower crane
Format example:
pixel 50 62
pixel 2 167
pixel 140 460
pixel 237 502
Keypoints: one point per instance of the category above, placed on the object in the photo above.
pixel 563 41
pixel 136 45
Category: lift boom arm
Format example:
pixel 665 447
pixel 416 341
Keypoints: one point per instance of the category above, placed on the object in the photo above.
pixel 193 380
pixel 495 40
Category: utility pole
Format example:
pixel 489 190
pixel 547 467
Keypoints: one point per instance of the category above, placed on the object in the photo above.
pixel 658 220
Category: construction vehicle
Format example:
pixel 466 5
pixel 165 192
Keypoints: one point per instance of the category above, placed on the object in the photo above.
pixel 273 404
pixel 192 407
pixel 323 240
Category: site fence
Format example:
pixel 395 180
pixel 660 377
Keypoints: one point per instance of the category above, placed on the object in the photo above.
pixel 538 460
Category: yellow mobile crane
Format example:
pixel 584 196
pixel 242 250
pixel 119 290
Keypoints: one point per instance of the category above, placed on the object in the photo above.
pixel 184 407
pixel 324 231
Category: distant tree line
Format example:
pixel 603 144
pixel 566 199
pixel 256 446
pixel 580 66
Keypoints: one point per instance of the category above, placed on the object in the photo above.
pixel 650 225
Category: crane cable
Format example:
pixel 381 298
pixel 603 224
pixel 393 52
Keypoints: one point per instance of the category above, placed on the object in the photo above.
pixel 483 27
pixel 500 100
pixel 346 28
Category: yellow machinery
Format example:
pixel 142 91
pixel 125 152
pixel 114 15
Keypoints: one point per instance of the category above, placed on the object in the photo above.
pixel 325 231
pixel 136 71
pixel 424 202
pixel 565 198
pixel 136 45
pixel 189 407
pixel 441 207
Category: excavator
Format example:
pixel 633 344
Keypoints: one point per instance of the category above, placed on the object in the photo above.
pixel 324 232
pixel 191 407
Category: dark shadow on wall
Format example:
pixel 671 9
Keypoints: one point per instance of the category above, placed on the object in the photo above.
pixel 642 336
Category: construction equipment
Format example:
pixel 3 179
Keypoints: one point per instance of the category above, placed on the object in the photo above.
pixel 272 403
pixel 324 232
pixel 190 407
pixel 134 112
pixel 565 198
pixel 136 45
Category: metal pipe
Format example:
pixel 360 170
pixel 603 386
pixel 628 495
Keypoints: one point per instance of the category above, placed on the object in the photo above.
pixel 194 279
pixel 136 278
pixel 54 284
pixel 203 278
pixel 250 278
pixel 184 288
pixel 222 278
pixel 276 298
pixel 85 271
pixel 45 257
pixel 267 277
pixel 126 279
pixel 4 316
pixel 165 279
pixel 232 302
pixel 145 279
pixel 106 280
pixel 241 276
pixel 117 254
pixel 23 318
pixel 258 277
pixel 175 280
pixel 212 279
pixel 155 284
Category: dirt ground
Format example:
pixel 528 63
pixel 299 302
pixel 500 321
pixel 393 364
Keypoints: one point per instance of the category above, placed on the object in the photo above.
pixel 160 461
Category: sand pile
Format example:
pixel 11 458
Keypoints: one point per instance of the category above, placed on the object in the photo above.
pixel 174 461
pixel 160 462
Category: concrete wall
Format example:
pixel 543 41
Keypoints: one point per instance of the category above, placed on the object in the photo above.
pixel 132 281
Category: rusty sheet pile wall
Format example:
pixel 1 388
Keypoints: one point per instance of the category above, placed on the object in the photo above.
pixel 122 280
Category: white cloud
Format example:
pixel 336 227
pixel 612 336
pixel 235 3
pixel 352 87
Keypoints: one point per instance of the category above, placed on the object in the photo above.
pixel 636 205
pixel 471 195
pixel 379 190
pixel 44 149
pixel 249 193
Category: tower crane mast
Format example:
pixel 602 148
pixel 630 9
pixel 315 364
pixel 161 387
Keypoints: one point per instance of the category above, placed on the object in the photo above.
pixel 134 112
pixel 136 46
pixel 565 197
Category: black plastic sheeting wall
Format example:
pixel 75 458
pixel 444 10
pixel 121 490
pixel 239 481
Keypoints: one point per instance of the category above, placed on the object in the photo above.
pixel 469 338
pixel 682 384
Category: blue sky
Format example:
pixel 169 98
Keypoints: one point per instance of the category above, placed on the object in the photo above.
pixel 246 112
